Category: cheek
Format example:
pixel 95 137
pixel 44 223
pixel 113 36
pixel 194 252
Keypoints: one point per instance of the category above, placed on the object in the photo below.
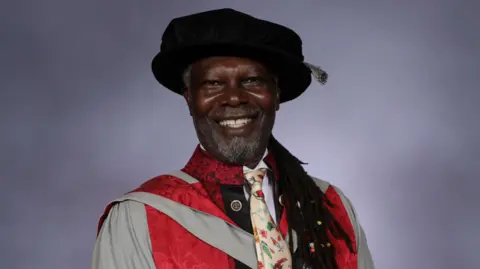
pixel 267 100
pixel 200 106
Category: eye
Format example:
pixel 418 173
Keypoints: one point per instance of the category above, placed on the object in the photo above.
pixel 211 83
pixel 253 81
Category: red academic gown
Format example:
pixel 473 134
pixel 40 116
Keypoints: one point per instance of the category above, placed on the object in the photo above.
pixel 173 247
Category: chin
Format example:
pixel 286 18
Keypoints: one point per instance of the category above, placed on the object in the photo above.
pixel 240 150
pixel 230 147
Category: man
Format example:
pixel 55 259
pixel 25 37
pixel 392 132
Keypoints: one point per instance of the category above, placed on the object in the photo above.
pixel 243 200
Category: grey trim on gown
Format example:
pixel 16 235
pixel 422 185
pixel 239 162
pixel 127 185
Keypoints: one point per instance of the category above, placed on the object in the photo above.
pixel 124 240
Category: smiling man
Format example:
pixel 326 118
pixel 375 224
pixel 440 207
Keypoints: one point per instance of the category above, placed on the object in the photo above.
pixel 233 127
pixel 242 200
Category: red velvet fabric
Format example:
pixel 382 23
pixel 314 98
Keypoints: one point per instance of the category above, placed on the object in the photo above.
pixel 175 248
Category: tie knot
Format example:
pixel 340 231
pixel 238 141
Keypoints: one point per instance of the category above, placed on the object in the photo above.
pixel 255 177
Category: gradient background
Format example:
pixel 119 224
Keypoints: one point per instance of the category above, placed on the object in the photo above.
pixel 397 128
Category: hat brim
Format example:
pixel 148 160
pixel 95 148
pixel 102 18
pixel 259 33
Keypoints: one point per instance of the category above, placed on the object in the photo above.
pixel 294 76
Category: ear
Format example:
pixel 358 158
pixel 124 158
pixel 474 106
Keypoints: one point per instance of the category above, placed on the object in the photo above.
pixel 187 94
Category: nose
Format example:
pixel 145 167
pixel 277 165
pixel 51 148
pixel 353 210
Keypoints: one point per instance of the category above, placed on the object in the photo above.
pixel 234 95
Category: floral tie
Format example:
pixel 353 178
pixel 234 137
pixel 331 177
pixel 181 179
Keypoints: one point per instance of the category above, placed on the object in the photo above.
pixel 272 249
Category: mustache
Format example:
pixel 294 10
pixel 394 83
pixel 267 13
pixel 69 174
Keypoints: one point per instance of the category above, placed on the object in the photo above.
pixel 234 111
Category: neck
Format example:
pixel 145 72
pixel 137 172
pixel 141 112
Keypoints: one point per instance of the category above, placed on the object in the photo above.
pixel 206 168
pixel 254 163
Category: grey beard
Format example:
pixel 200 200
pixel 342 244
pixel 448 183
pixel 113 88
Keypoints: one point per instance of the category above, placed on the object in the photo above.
pixel 238 150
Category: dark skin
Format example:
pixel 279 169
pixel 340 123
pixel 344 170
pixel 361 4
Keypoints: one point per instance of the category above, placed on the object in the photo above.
pixel 229 87
pixel 225 89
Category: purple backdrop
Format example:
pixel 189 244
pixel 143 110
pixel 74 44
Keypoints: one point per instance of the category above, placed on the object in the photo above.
pixel 396 127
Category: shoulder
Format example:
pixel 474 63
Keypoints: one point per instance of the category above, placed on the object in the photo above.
pixel 123 239
pixel 344 211
pixel 120 210
pixel 124 224
pixel 161 184
pixel 339 200
pixel 121 215
pixel 322 184
pixel 330 189
pixel 125 214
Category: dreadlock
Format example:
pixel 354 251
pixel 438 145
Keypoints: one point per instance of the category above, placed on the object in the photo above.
pixel 307 211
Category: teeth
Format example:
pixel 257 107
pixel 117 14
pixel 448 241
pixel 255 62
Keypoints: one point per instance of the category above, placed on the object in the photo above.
pixel 235 123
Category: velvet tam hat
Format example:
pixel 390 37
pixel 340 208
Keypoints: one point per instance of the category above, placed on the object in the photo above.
pixel 227 32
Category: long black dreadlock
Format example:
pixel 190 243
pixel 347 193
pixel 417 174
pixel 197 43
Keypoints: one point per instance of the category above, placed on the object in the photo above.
pixel 307 211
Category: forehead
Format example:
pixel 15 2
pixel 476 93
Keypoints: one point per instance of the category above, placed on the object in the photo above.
pixel 219 63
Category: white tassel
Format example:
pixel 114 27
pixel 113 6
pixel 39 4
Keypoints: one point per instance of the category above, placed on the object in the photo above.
pixel 318 73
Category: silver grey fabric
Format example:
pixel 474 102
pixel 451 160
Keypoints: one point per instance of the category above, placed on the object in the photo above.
pixel 322 184
pixel 124 240
pixel 364 256
pixel 234 241
pixel 365 260
pixel 183 176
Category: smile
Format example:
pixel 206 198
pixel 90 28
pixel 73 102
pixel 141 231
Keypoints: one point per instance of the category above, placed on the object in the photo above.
pixel 238 123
